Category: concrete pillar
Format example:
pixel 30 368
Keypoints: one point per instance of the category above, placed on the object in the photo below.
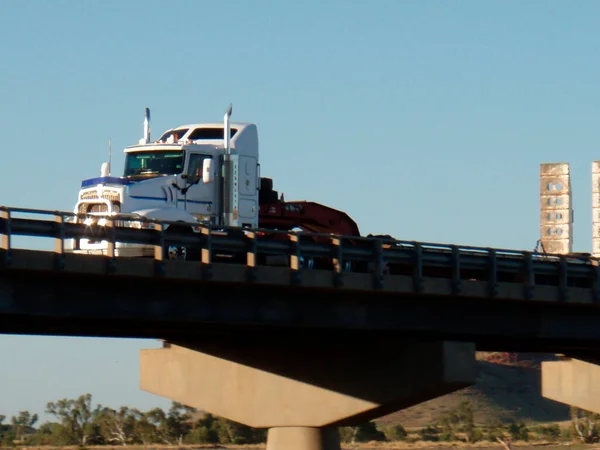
pixel 572 382
pixel 303 438
pixel 302 391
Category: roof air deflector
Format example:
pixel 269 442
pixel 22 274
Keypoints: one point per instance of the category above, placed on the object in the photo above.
pixel 212 133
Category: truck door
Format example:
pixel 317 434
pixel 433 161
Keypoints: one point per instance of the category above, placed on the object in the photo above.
pixel 248 190
pixel 200 196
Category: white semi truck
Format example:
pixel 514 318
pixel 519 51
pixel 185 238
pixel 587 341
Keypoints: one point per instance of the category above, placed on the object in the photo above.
pixel 204 173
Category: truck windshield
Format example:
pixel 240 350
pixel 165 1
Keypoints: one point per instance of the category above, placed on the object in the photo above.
pixel 154 163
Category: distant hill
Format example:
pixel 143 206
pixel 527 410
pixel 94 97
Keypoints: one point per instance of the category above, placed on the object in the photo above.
pixel 508 390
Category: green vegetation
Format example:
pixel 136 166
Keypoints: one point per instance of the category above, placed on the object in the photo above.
pixel 78 423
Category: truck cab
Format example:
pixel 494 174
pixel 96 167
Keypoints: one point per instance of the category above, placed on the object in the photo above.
pixel 204 173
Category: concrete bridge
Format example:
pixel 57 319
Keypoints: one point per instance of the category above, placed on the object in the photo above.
pixel 294 350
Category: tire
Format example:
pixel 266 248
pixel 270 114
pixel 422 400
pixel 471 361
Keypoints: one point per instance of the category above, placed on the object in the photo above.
pixel 180 252
pixel 307 263
pixel 347 266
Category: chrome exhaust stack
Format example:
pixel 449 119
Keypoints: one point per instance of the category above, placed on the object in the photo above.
pixel 146 138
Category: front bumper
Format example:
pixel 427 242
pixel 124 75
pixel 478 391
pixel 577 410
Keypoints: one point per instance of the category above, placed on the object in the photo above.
pixel 97 247
pixel 122 249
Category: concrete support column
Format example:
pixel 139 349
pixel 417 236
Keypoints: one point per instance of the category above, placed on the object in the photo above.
pixel 303 438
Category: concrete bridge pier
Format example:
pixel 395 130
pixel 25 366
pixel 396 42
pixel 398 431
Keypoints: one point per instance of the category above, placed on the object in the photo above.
pixel 300 388
pixel 303 438
pixel 574 382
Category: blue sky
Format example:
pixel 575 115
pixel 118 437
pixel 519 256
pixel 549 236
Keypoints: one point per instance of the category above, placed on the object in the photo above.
pixel 423 120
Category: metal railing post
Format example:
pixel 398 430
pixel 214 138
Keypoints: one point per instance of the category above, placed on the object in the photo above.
pixel 111 248
pixel 206 252
pixel 338 261
pixel 595 284
pixel 456 282
pixel 563 278
pixel 5 238
pixel 295 256
pixel 492 273
pixel 159 249
pixel 418 268
pixel 59 241
pixel 528 275
pixel 251 256
pixel 379 264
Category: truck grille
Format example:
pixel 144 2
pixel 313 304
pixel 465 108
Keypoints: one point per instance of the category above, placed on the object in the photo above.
pixel 86 208
pixel 93 195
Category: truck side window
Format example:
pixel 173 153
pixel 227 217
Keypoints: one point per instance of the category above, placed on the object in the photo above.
pixel 195 166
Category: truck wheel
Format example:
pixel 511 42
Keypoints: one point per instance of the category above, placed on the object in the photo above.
pixel 181 252
pixel 177 252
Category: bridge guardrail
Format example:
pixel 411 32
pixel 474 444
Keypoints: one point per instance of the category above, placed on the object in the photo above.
pixel 380 255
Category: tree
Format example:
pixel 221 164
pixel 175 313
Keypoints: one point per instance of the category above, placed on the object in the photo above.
pixel 156 420
pixel 396 433
pixel 459 420
pixel 506 443
pixel 550 432
pixel 365 432
pixel 348 434
pixel 179 421
pixel 145 430
pixel 430 433
pixel 231 432
pixel 495 432
pixel 204 431
pixel 467 421
pixel 449 423
pixel 518 432
pixel 50 433
pixel 75 416
pixel 170 428
pixel 7 435
pixel 584 425
pixel 22 423
pixel 117 426
pixel 368 431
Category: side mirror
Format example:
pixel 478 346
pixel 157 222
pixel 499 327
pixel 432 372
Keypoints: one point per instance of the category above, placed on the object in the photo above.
pixel 207 173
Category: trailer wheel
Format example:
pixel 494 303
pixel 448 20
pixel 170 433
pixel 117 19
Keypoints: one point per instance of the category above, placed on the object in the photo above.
pixel 307 263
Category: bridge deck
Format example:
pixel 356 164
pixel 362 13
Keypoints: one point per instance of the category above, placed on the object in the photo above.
pixel 43 261
pixel 500 299
pixel 83 300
